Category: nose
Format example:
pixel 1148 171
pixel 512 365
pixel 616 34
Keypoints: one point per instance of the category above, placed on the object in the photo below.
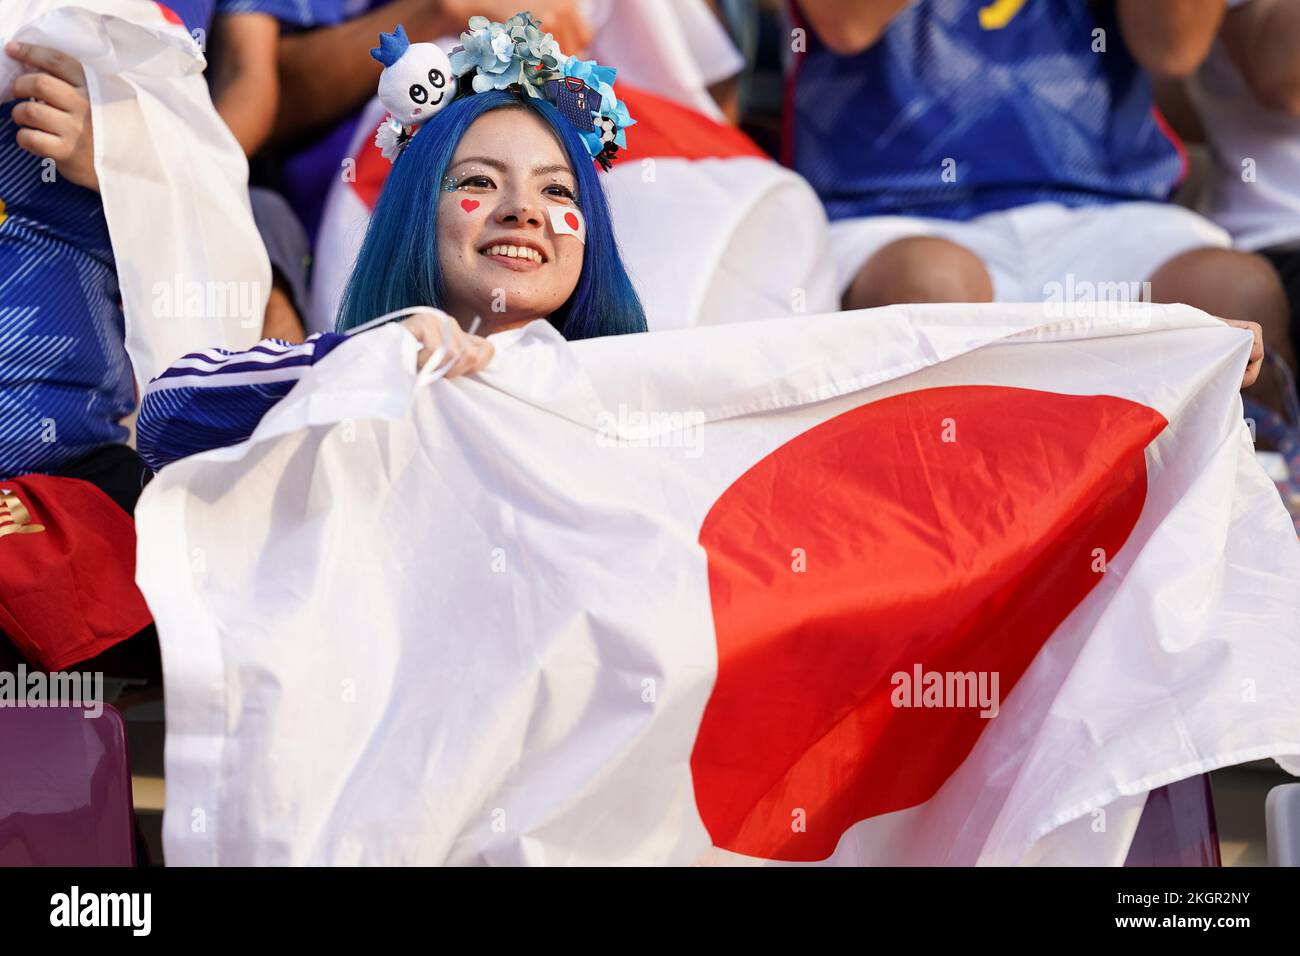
pixel 520 210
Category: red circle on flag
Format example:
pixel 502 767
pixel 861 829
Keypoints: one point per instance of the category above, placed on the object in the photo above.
pixel 950 529
pixel 571 220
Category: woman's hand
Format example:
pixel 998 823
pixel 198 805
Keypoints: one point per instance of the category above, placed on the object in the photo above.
pixel 471 353
pixel 55 112
pixel 1256 349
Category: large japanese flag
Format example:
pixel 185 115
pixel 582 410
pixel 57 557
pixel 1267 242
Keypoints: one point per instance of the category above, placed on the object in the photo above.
pixel 680 597
pixel 190 264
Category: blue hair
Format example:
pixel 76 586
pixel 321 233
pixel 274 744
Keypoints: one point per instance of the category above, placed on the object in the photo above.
pixel 398 263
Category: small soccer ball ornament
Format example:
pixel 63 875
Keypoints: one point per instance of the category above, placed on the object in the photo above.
pixel 608 130
pixel 416 82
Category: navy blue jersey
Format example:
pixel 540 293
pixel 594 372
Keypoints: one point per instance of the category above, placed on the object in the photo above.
pixel 198 14
pixel 956 111
pixel 65 380
pixel 217 398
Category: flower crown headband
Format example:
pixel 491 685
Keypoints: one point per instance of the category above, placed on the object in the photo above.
pixel 419 79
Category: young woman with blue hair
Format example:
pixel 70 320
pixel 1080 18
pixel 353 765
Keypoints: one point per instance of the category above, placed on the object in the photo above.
pixel 493 215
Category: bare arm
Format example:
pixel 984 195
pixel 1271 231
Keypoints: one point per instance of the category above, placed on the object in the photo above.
pixel 327 74
pixel 850 26
pixel 726 93
pixel 245 84
pixel 1263 39
pixel 1170 37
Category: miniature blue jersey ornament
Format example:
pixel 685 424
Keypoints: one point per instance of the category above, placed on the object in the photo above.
pixel 415 84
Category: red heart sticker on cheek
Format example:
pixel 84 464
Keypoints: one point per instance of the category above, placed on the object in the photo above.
pixel 571 219
pixel 469 205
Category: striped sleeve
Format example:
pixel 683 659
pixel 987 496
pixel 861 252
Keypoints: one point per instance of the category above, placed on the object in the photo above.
pixel 216 398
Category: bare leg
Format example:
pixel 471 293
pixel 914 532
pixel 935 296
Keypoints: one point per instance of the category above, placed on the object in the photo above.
pixel 919 269
pixel 1233 285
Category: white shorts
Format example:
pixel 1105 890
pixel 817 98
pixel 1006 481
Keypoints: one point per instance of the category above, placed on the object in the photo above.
pixel 1028 248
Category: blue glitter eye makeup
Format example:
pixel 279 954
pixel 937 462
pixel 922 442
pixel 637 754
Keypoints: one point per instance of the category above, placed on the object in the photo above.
pixel 450 184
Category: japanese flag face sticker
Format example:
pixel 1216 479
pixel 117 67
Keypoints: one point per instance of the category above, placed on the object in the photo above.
pixel 568 221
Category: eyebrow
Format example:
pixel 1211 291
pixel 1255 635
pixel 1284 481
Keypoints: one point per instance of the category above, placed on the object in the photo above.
pixel 497 164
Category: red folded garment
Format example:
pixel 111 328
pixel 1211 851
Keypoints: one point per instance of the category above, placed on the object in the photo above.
pixel 67 570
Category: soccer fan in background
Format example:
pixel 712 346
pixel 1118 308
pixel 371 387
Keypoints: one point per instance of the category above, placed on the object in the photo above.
pixel 1247 98
pixel 55 252
pixel 1247 94
pixel 66 382
pixel 970 151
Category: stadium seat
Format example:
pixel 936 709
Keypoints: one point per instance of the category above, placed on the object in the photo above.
pixel 1177 827
pixel 65 794
pixel 1282 816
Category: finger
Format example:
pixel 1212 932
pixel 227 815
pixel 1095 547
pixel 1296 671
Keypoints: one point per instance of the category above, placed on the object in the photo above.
pixel 428 337
pixel 429 347
pixel 430 352
pixel 49 89
pixel 483 353
pixel 51 61
pixel 477 353
pixel 464 361
pixel 39 143
pixel 471 360
pixel 42 116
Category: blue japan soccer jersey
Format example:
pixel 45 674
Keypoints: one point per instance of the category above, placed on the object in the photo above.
pixel 970 106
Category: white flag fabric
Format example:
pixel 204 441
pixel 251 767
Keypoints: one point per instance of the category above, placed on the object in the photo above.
pixel 677 48
pixel 917 585
pixel 174 182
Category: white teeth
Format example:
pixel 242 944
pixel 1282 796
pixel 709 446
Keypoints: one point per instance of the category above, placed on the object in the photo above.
pixel 514 252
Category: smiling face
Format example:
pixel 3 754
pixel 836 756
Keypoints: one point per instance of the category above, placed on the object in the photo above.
pixel 501 257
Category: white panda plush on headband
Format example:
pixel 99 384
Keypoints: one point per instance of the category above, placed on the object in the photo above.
pixel 416 83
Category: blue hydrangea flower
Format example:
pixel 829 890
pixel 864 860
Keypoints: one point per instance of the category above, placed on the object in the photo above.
pixel 488 50
pixel 503 54
pixel 519 53
pixel 532 45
